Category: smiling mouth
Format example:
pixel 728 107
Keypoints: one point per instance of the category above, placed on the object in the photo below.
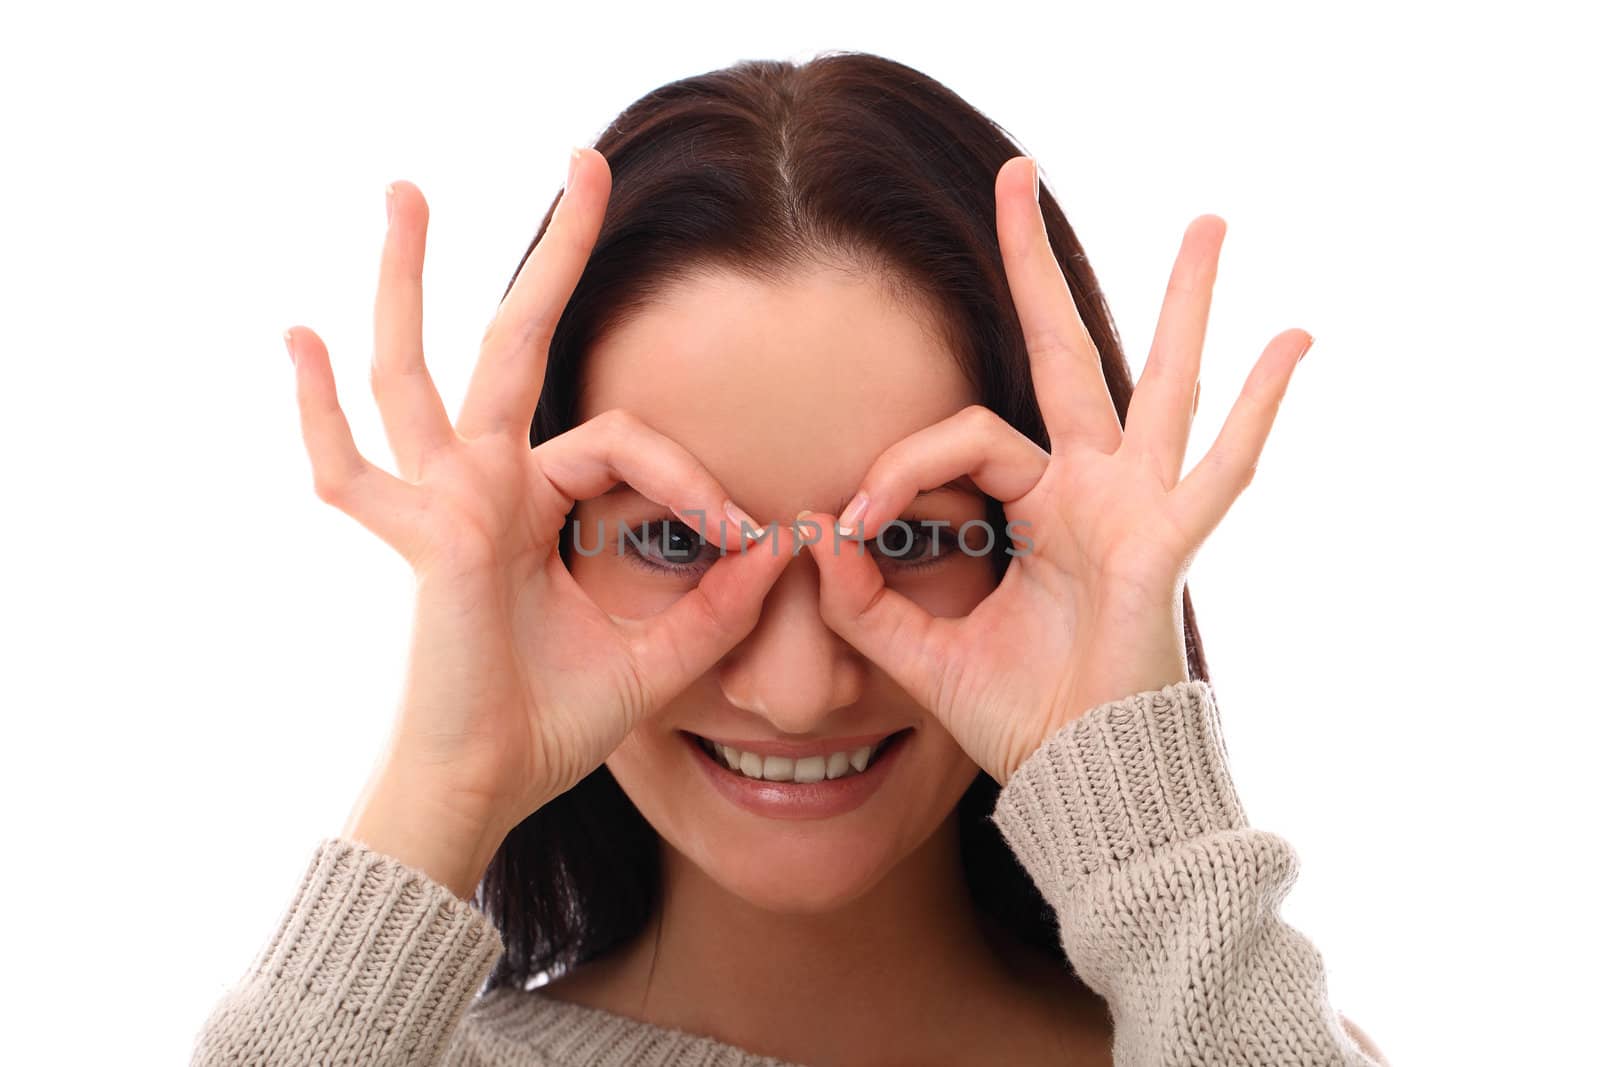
pixel 845 763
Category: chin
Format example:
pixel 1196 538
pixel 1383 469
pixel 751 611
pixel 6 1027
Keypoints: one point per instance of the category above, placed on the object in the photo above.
pixel 812 871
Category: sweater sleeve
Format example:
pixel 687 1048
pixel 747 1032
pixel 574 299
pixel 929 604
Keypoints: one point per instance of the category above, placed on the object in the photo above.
pixel 1128 822
pixel 373 962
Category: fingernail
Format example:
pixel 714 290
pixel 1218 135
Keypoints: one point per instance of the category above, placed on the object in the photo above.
pixel 572 163
pixel 851 514
pixel 1309 342
pixel 288 342
pixel 388 203
pixel 741 520
pixel 1034 163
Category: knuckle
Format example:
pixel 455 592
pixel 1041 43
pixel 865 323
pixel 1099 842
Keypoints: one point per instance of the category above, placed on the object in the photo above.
pixel 1048 340
pixel 615 420
pixel 1181 285
pixel 977 416
pixel 1157 369
pixel 517 330
pixel 1231 467
pixel 336 483
pixel 536 330
pixel 1044 341
pixel 622 426
pixel 721 620
pixel 329 489
pixel 885 472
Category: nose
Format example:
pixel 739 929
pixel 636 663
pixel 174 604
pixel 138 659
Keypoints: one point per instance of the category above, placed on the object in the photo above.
pixel 791 669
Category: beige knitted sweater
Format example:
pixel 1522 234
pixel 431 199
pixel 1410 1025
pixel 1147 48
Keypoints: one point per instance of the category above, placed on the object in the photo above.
pixel 1126 819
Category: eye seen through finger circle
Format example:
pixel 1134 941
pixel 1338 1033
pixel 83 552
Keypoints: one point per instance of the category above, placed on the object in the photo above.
pixel 912 543
pixel 667 544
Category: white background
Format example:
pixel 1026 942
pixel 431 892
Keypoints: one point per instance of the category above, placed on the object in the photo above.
pixel 202 658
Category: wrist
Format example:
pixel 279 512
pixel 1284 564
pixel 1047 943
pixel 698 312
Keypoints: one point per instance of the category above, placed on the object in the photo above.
pixel 411 823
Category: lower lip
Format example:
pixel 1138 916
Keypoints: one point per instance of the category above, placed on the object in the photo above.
pixel 799 800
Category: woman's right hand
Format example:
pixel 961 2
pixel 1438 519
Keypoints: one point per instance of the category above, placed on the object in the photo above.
pixel 518 685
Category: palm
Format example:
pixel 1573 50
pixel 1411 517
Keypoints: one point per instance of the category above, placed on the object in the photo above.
pixel 517 698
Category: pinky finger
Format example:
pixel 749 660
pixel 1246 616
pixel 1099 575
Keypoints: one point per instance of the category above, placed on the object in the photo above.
pixel 340 475
pixel 1206 493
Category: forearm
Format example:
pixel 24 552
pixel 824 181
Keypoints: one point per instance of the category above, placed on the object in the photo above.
pixel 1128 822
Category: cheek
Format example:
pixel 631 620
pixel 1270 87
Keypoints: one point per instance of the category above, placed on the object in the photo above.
pixel 637 764
pixel 952 589
pixel 652 767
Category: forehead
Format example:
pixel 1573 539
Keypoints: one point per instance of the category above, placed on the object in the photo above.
pixel 787 391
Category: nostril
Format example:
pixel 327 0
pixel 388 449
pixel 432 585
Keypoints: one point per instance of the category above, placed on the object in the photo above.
pixel 755 705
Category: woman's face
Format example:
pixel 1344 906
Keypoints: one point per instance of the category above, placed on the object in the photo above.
pixel 787 393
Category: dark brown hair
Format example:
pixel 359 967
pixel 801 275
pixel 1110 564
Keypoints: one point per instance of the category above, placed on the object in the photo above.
pixel 763 168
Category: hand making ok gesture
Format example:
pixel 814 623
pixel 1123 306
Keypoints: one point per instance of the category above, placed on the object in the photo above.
pixel 1092 611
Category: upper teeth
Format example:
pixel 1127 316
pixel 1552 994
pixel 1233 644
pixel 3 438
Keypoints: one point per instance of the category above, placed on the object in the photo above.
pixel 788 769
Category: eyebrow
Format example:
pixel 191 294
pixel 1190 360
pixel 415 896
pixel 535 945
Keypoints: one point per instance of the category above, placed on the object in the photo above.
pixel 961 484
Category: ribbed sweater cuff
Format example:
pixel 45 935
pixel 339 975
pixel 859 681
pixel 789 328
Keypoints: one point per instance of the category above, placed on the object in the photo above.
pixel 373 962
pixel 1119 783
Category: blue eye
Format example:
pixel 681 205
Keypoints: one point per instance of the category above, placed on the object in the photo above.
pixel 667 544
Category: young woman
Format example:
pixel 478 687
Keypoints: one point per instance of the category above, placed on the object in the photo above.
pixel 928 772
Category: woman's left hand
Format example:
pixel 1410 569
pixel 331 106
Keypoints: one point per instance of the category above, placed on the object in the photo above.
pixel 1092 611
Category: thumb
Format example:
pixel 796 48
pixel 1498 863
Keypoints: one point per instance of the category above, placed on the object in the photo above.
pixel 886 626
pixel 674 647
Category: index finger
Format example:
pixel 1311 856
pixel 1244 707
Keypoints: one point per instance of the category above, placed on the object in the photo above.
pixel 617 446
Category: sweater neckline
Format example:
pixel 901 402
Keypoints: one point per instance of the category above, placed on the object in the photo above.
pixel 575 1033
